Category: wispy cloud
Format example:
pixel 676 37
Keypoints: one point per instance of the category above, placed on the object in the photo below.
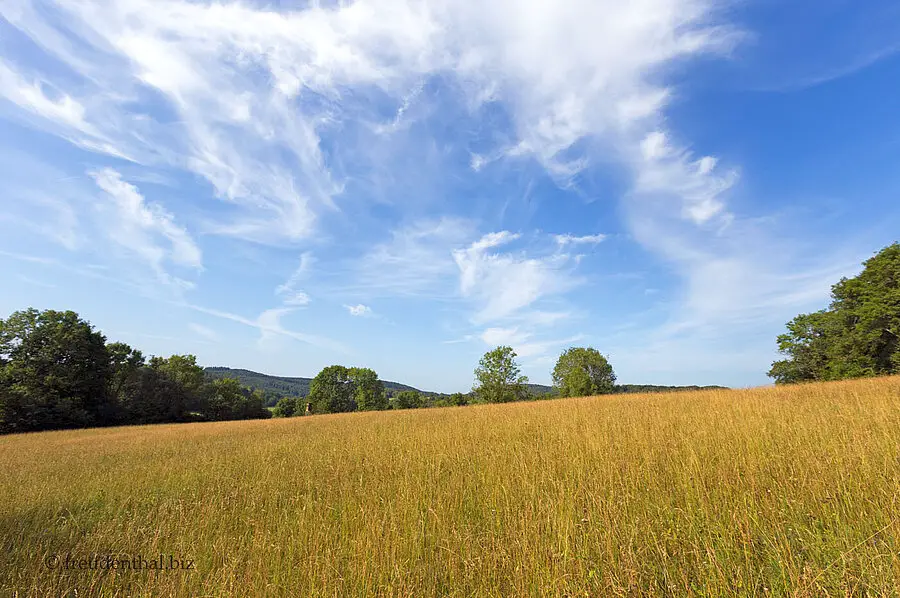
pixel 524 343
pixel 288 292
pixel 358 310
pixel 568 239
pixel 256 89
pixel 203 332
pixel 416 261
pixel 147 230
pixel 501 284
pixel 269 322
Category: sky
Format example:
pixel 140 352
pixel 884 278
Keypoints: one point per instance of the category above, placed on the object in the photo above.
pixel 406 184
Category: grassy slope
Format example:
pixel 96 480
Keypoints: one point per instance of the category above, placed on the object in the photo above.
pixel 788 491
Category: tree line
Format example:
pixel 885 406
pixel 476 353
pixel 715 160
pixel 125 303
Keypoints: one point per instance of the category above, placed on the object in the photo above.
pixel 57 372
pixel 579 371
pixel 857 335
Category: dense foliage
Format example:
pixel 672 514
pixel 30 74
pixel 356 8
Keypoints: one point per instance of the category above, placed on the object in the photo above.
pixel 499 379
pixel 858 335
pixel 57 372
pixel 583 371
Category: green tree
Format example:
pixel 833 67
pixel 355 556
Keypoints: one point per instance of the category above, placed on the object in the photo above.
pixel 252 406
pixel 54 369
pixel 858 335
pixel 458 399
pixel 582 372
pixel 408 399
pixel 499 378
pixel 332 390
pixel 182 369
pixel 148 396
pixel 807 343
pixel 125 364
pixel 369 390
pixel 286 407
pixel 224 399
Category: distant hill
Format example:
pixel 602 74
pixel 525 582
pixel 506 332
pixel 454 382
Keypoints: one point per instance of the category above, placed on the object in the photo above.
pixel 279 386
pixel 635 388
pixel 542 389
pixel 276 387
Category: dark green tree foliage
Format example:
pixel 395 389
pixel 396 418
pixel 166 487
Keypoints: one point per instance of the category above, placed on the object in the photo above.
pixel 332 391
pixel 499 379
pixel 125 364
pixel 582 372
pixel 287 407
pixel 183 369
pixel 226 399
pixel 856 336
pixel 150 397
pixel 54 370
pixel 57 372
pixel 458 399
pixel 253 406
pixel 408 399
pixel 369 390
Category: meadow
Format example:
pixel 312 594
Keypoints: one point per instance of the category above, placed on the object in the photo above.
pixel 787 491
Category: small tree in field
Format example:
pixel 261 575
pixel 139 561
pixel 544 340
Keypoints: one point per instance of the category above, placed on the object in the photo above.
pixel 582 372
pixel 499 379
pixel 287 407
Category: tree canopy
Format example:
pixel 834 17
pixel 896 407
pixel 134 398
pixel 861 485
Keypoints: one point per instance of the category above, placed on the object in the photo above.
pixel 499 378
pixel 583 371
pixel 857 335
pixel 408 399
pixel 54 368
pixel 57 372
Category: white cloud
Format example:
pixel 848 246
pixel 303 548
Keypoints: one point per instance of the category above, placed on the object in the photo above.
pixel 503 284
pixel 359 310
pixel 146 229
pixel 269 323
pixel 31 96
pixel 288 292
pixel 255 89
pixel 297 298
pixel 523 342
pixel 416 261
pixel 503 336
pixel 665 169
pixel 568 239
pixel 203 332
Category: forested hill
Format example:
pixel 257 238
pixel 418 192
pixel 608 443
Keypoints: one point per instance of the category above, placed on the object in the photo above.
pixel 283 386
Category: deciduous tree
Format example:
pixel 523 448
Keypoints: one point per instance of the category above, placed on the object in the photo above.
pixel 498 377
pixel 581 372
pixel 858 335
pixel 54 367
pixel 368 389
pixel 332 390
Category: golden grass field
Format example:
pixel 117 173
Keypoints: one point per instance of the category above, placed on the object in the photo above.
pixel 775 491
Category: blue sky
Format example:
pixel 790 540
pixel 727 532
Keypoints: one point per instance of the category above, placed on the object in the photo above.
pixel 404 185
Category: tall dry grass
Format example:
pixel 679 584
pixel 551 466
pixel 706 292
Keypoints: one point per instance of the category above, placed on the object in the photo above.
pixel 783 492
